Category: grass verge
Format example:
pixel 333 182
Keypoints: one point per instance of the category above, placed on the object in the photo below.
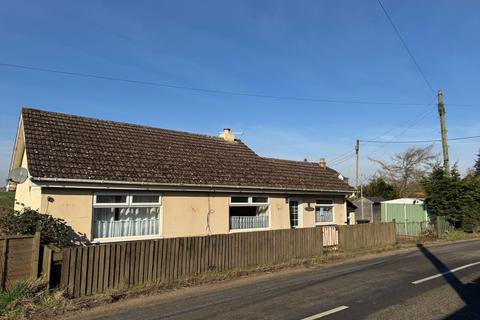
pixel 30 299
pixel 460 235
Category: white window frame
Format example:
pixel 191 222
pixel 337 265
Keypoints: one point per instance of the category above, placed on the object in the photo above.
pixel 128 204
pixel 332 205
pixel 300 212
pixel 104 204
pixel 250 203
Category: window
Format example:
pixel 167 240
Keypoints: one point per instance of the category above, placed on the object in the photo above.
pixel 126 215
pixel 145 198
pixel 259 199
pixel 239 199
pixel 324 211
pixel 248 200
pixel 248 212
pixel 110 198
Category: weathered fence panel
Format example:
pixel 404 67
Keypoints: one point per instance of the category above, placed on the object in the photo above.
pixel 412 228
pixel 443 226
pixel 19 258
pixel 95 269
pixel 368 235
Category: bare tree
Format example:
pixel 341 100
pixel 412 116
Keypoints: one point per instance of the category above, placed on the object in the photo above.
pixel 406 169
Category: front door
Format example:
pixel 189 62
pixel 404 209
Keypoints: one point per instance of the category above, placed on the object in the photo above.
pixel 295 213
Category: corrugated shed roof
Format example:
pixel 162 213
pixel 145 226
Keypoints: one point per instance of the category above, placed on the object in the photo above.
pixel 405 201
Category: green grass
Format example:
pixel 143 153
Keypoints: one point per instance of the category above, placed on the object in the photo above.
pixel 459 235
pixel 7 199
pixel 18 291
pixel 29 299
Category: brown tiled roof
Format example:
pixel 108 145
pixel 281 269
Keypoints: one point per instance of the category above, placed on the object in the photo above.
pixel 72 147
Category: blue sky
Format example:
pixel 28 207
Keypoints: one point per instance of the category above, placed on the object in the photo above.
pixel 319 49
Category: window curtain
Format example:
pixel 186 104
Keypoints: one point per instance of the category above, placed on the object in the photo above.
pixel 126 222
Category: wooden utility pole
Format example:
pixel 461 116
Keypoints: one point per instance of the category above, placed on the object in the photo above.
pixel 357 180
pixel 441 113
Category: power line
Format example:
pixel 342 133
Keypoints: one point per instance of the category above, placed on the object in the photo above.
pixel 419 141
pixel 349 155
pixel 416 120
pixel 216 91
pixel 342 161
pixel 406 47
pixel 342 155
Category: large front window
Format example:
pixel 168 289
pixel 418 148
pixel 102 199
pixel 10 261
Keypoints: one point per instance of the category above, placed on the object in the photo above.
pixel 126 215
pixel 324 211
pixel 248 212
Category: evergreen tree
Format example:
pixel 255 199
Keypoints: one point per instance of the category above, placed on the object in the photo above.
pixel 476 166
pixel 454 198
pixel 378 187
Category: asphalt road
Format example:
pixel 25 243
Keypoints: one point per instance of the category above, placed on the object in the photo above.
pixel 378 288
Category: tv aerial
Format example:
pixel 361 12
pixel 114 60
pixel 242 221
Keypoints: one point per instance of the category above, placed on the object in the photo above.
pixel 18 175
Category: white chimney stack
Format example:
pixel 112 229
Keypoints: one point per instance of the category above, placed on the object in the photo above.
pixel 227 135
pixel 322 163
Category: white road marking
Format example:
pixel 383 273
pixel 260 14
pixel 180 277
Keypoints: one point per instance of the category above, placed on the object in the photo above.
pixel 325 313
pixel 446 272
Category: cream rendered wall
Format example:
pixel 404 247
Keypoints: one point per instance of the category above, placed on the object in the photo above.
pixel 75 206
pixel 182 213
pixel 279 212
pixel 186 214
pixel 27 193
pixel 308 213
pixel 339 210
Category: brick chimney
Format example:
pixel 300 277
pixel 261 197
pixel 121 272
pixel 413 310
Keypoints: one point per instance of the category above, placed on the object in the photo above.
pixel 227 135
pixel 322 163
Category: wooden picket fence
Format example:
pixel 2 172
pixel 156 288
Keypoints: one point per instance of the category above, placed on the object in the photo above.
pixel 94 269
pixel 368 235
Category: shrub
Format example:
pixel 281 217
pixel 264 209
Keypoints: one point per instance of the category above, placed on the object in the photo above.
pixel 28 221
pixel 17 291
pixel 7 199
pixel 28 299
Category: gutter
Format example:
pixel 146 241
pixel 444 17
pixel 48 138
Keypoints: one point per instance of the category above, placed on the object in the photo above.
pixel 107 184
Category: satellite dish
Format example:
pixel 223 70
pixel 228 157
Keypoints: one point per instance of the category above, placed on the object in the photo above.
pixel 18 175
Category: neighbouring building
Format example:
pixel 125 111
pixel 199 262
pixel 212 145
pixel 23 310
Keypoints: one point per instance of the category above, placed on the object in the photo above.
pixel 113 181
pixel 368 209
pixel 404 210
pixel 364 210
pixel 376 208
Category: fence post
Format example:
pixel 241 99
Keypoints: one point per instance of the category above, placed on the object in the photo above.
pixel 35 254
pixel 3 274
pixel 437 225
pixel 47 263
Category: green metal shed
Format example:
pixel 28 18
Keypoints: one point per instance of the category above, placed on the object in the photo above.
pixel 410 215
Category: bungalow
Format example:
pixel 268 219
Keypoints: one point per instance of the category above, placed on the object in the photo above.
pixel 113 181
